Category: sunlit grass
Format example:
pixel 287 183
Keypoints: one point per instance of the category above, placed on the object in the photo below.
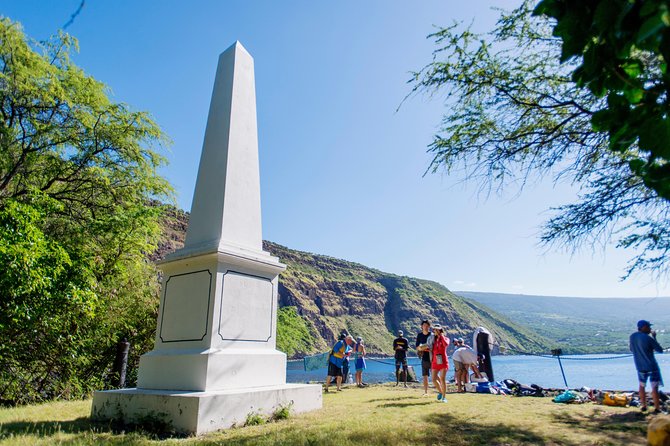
pixel 380 415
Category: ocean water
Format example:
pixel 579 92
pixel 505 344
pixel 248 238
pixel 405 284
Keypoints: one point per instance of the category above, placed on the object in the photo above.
pixel 594 371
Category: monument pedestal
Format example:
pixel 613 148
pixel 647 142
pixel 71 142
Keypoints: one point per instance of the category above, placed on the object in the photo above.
pixel 201 412
pixel 220 370
pixel 214 360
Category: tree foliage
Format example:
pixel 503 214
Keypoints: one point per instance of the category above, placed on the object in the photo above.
pixel 514 115
pixel 622 48
pixel 77 173
pixel 293 334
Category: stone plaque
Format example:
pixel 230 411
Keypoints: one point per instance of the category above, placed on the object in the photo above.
pixel 246 308
pixel 185 307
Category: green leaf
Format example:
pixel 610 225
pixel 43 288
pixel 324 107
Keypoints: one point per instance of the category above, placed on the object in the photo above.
pixel 652 26
pixel 551 8
pixel 632 67
pixel 601 120
pixel 634 94
pixel 636 165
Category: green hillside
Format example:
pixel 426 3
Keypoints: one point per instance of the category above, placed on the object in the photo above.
pixel 579 324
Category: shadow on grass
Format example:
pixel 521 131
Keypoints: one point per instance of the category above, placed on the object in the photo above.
pixel 451 429
pixel 395 398
pixel 84 425
pixel 407 404
pixel 443 429
pixel 45 428
pixel 618 426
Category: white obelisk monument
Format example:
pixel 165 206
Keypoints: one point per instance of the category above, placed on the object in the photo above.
pixel 214 360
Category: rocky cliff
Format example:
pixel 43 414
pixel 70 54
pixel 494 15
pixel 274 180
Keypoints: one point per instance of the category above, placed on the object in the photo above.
pixel 330 295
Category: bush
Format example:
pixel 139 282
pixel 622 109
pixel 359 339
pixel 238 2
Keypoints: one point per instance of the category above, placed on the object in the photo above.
pixel 255 419
pixel 293 334
pixel 282 412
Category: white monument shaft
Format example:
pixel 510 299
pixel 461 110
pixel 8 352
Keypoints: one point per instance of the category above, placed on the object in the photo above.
pixel 228 186
pixel 214 360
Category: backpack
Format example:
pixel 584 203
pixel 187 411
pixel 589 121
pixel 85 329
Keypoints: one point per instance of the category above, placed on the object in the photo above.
pixel 614 399
pixel 567 397
pixel 519 389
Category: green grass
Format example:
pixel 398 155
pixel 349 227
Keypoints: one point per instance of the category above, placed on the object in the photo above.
pixel 379 415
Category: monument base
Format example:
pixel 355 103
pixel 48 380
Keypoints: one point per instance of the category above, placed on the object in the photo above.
pixel 211 370
pixel 201 412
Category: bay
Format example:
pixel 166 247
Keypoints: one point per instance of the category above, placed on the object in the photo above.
pixel 611 372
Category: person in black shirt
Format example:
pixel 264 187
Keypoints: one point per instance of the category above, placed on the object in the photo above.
pixel 400 347
pixel 423 351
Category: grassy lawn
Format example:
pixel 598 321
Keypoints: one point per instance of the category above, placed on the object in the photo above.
pixel 379 415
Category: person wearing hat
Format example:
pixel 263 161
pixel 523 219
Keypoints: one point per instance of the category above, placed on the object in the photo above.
pixel 400 347
pixel 336 359
pixel 359 361
pixel 643 344
pixel 458 366
pixel 440 363
pixel 345 361
pixel 464 358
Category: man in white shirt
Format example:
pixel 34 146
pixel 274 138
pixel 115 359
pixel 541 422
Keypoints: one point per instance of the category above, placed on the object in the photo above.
pixel 464 358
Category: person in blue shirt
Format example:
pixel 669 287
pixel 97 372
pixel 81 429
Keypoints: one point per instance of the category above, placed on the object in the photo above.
pixel 359 361
pixel 643 345
pixel 336 360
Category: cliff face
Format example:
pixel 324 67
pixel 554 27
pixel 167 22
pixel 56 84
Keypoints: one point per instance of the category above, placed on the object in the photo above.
pixel 331 295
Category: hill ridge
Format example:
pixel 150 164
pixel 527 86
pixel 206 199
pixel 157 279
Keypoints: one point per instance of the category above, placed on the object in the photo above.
pixel 581 325
pixel 542 296
pixel 321 295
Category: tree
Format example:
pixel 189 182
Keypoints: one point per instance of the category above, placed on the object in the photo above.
pixel 622 48
pixel 514 116
pixel 77 176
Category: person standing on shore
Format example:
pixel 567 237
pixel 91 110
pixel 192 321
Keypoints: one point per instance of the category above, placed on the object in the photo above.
pixel 643 344
pixel 423 344
pixel 400 347
pixel 345 363
pixel 440 362
pixel 359 361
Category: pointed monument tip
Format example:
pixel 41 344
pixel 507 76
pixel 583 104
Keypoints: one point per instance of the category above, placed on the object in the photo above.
pixel 236 47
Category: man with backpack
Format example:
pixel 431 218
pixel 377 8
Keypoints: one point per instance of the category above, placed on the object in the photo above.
pixel 336 361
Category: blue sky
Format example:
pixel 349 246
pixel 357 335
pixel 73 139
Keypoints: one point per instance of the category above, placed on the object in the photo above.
pixel 341 169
